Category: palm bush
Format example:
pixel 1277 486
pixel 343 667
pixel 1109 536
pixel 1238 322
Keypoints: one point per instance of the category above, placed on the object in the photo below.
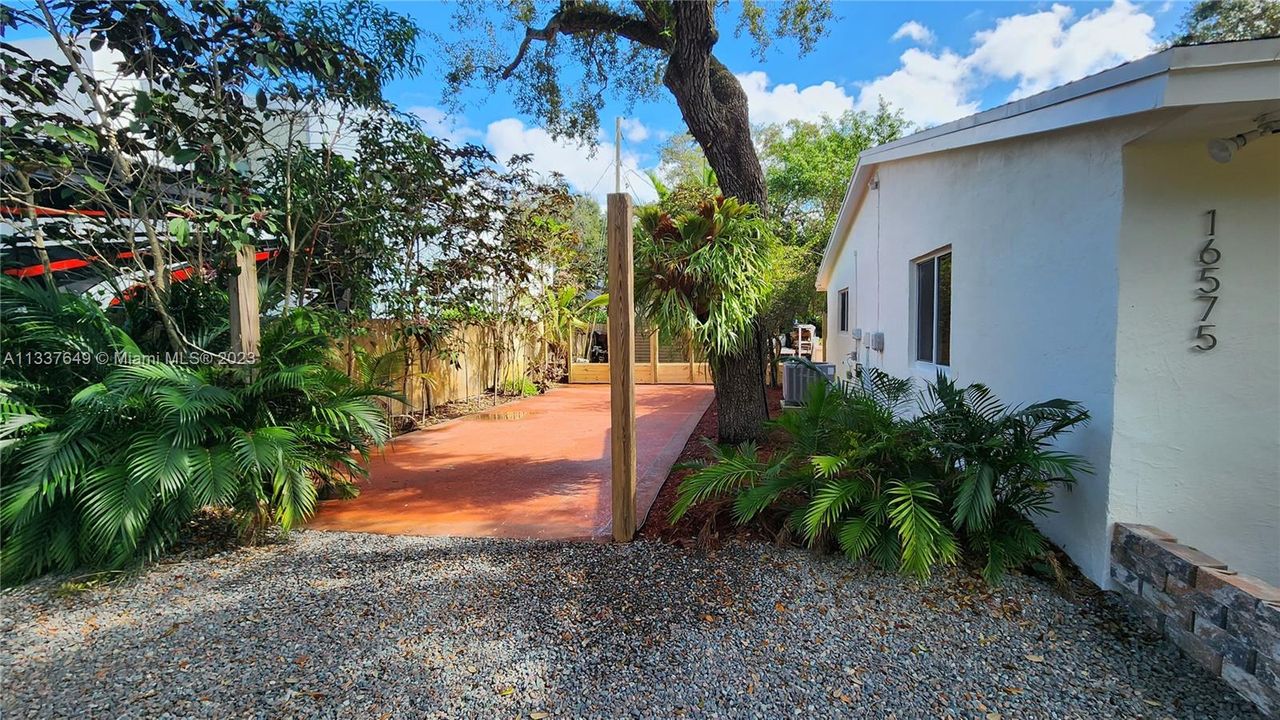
pixel 999 467
pixel 105 467
pixel 909 480
pixel 50 343
pixel 565 314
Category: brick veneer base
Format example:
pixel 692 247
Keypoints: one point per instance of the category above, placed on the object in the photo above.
pixel 1226 621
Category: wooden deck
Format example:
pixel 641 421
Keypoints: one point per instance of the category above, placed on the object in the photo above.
pixel 697 373
pixel 656 364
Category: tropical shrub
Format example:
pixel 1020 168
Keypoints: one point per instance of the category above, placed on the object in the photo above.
pixel 105 460
pixel 198 309
pixel 999 467
pixel 564 315
pixel 703 270
pixel 909 480
pixel 521 387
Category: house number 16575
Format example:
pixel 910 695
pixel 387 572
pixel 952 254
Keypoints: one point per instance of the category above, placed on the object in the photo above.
pixel 1208 290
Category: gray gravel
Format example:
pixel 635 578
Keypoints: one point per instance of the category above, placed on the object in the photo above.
pixel 344 625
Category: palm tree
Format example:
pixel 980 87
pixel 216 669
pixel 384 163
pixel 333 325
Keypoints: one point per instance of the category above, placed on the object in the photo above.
pixel 103 463
pixel 564 314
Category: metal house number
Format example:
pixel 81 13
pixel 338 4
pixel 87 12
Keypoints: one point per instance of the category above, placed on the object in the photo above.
pixel 1208 291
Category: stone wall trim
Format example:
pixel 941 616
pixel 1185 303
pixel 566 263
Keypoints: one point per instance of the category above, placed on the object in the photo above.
pixel 1226 621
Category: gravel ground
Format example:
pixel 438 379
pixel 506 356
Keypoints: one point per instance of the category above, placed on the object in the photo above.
pixel 342 625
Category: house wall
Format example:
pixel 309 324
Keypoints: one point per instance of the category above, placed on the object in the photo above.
pixel 1032 223
pixel 1197 434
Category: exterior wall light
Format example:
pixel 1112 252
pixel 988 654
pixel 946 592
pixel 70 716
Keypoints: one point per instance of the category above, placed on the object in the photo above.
pixel 1223 149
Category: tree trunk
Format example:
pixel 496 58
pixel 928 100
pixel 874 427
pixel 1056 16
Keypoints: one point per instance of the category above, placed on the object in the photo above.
pixel 713 104
pixel 714 107
pixel 741 405
pixel 37 230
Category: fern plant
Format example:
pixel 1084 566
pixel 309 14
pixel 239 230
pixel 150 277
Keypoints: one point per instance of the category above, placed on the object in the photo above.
pixel 704 271
pixel 109 475
pixel 908 481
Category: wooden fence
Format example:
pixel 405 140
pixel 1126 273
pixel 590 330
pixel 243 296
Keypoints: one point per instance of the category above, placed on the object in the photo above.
pixel 482 357
pixel 673 362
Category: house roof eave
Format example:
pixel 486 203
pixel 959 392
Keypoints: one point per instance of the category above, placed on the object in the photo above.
pixel 1134 87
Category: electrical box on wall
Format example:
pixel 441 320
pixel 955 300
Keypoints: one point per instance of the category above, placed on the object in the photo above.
pixel 877 341
pixel 857 334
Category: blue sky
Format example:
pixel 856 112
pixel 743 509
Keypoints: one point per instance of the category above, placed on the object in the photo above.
pixel 937 61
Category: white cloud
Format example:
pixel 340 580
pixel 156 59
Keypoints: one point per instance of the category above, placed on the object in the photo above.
pixel 1045 49
pixel 929 89
pixel 1037 51
pixel 586 171
pixel 915 31
pixel 440 124
pixel 634 130
pixel 789 102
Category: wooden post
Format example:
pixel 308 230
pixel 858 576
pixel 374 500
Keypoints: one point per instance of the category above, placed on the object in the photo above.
pixel 622 377
pixel 653 355
pixel 693 377
pixel 243 292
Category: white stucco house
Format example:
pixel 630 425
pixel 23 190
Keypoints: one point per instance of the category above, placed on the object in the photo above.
pixel 1082 243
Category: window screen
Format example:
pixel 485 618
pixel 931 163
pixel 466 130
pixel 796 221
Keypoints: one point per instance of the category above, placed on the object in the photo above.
pixel 933 310
pixel 944 309
pixel 924 310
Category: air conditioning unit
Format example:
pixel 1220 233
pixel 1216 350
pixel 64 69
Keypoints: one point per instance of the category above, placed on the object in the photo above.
pixel 797 376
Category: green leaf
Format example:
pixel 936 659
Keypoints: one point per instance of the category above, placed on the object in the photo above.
pixel 180 229
pixel 924 540
pixel 975 499
pixel 827 466
pixel 83 135
pixel 829 503
pixel 857 536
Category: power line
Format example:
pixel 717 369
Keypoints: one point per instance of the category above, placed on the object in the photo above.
pixel 645 178
pixel 631 187
pixel 606 172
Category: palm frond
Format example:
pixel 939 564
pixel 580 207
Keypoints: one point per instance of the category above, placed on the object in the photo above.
pixel 733 468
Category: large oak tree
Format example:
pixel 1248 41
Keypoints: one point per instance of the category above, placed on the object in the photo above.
pixel 564 57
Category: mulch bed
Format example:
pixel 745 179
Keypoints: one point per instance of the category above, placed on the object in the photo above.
pixel 450 411
pixel 708 523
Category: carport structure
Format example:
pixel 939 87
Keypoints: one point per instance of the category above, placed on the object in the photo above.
pixel 534 468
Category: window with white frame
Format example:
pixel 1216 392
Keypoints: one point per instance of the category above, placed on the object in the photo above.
pixel 842 308
pixel 933 308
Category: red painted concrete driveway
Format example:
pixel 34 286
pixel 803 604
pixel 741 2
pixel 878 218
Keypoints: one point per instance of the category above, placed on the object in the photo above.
pixel 534 468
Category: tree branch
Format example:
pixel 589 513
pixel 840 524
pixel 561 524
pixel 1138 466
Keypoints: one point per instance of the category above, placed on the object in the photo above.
pixel 546 34
pixel 583 20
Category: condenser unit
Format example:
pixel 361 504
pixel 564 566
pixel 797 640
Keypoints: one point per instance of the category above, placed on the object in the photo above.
pixel 797 376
